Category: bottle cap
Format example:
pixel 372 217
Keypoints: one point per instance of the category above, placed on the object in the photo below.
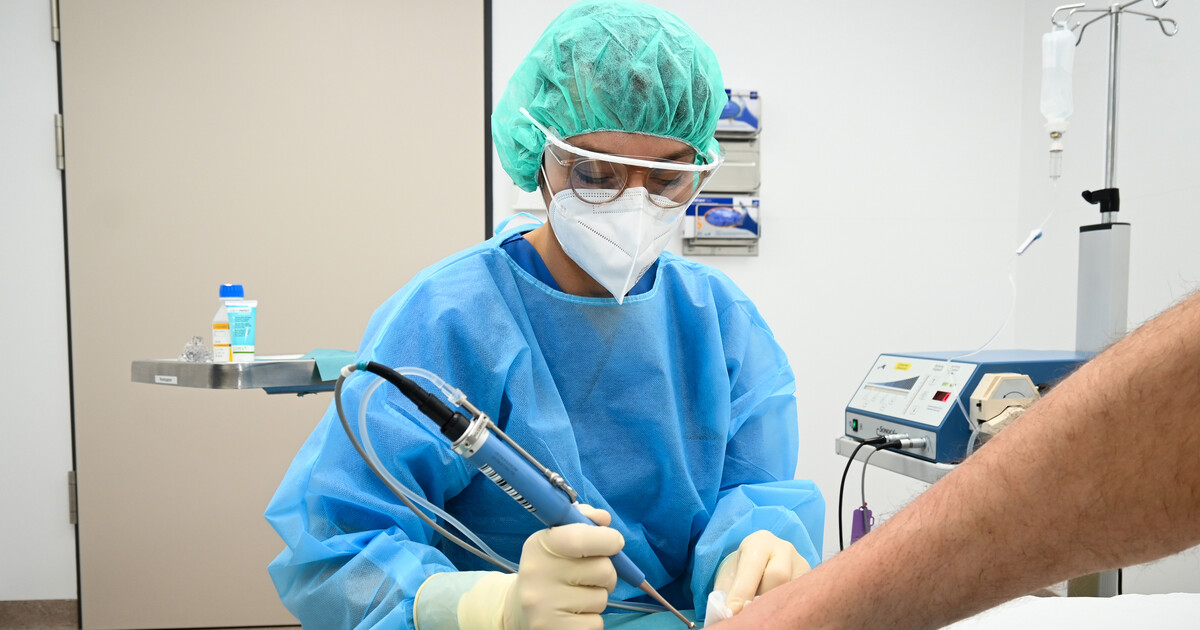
pixel 232 291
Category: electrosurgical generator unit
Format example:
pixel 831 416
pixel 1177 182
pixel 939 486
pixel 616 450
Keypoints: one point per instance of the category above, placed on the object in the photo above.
pixel 929 394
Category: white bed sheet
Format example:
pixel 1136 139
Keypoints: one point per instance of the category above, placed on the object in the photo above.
pixel 1175 611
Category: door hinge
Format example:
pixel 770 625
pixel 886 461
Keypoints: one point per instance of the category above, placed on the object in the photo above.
pixel 58 142
pixel 72 497
pixel 54 32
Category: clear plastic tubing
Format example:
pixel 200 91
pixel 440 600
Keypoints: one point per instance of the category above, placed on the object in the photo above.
pixel 413 496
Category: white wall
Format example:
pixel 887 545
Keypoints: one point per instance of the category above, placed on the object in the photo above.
pixel 903 162
pixel 37 543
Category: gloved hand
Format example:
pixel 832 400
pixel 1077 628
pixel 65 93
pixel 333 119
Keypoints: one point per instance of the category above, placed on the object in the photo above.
pixel 565 577
pixel 762 562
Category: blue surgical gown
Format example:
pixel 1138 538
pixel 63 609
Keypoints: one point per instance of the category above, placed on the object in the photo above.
pixel 674 411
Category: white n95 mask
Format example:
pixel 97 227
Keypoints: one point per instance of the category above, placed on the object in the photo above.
pixel 614 242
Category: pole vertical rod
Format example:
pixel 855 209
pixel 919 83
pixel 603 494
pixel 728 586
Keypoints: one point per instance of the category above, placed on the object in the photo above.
pixel 1110 150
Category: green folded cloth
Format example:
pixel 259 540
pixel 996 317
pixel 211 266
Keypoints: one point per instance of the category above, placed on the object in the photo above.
pixel 330 362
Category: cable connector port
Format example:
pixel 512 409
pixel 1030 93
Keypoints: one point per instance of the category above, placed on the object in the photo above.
pixel 903 442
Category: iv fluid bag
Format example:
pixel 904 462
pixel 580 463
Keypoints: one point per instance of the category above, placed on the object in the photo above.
pixel 1058 56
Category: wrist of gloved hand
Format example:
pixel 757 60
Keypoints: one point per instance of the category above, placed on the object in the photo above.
pixel 485 606
pixel 437 603
pixel 466 600
pixel 762 562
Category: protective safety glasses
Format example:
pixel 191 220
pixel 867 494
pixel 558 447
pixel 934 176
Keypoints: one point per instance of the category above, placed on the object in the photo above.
pixel 598 178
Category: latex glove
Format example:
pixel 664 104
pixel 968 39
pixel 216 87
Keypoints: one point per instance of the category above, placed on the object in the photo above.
pixel 563 583
pixel 762 562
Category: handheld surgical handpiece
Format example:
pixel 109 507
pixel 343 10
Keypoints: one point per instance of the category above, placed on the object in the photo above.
pixel 542 492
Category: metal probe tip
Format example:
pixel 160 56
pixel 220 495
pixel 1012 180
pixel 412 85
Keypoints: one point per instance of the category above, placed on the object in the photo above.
pixel 645 586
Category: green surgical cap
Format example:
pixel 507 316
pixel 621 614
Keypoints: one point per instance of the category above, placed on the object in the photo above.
pixel 609 65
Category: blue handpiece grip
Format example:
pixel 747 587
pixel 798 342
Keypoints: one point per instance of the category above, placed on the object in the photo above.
pixel 535 493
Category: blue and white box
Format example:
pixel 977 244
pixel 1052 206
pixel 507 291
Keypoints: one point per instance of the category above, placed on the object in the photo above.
pixel 732 217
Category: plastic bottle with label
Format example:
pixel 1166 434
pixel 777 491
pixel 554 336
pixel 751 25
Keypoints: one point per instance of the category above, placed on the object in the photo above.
pixel 222 350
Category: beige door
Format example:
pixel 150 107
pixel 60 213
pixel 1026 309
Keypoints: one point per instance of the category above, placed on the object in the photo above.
pixel 320 153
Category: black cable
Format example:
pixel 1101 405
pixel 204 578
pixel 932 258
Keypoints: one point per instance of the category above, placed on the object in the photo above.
pixel 842 487
pixel 1120 581
pixel 452 423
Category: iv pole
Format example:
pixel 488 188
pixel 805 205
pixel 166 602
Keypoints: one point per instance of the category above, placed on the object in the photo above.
pixel 1102 307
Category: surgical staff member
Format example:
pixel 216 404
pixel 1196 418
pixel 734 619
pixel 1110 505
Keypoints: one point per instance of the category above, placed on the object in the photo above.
pixel 1103 472
pixel 649 381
